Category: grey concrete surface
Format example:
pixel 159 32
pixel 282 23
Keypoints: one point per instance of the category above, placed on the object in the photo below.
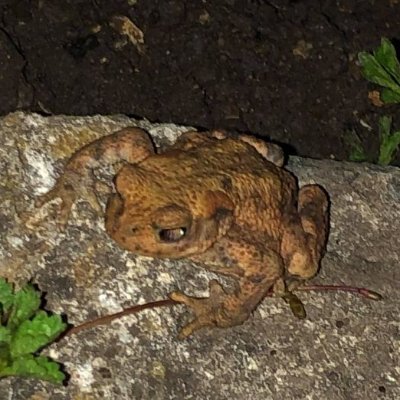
pixel 347 348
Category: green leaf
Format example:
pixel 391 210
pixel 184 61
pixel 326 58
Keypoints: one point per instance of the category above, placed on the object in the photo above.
pixel 5 335
pixel 357 152
pixel 33 334
pixel 26 303
pixel 393 144
pixel 6 295
pixel 30 366
pixel 388 96
pixel 383 68
pixel 5 356
pixel 388 149
pixel 386 56
pixel 26 330
pixel 374 72
pixel 384 123
pixel 389 142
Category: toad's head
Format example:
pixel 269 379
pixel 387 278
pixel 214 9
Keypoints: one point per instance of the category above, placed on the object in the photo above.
pixel 154 216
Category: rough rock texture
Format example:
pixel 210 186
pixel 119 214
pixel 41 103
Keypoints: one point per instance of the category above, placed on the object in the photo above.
pixel 347 348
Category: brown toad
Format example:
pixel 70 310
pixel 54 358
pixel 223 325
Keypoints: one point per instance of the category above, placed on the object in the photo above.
pixel 222 201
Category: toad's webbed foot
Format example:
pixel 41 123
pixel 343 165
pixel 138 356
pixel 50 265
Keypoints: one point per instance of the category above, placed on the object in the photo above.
pixel 69 188
pixel 209 311
pixel 130 145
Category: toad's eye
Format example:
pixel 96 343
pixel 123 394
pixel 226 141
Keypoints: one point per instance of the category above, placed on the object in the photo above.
pixel 172 235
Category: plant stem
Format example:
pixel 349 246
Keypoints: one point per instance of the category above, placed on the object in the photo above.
pixel 106 319
pixel 367 293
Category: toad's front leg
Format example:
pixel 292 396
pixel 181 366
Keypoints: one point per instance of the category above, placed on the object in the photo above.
pixel 223 310
pixel 131 145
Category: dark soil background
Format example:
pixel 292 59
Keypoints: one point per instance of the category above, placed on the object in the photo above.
pixel 279 68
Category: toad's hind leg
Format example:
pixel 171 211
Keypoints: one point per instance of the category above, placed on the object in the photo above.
pixel 313 206
pixel 311 242
pixel 256 278
pixel 270 151
pixel 131 145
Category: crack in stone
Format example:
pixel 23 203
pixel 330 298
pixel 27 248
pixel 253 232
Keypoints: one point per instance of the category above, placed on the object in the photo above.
pixel 24 70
